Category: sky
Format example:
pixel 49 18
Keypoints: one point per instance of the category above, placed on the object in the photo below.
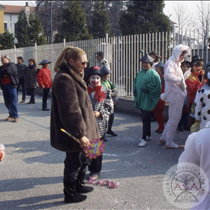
pixel 168 10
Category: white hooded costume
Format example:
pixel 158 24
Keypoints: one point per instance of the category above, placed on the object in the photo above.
pixel 197 152
pixel 175 93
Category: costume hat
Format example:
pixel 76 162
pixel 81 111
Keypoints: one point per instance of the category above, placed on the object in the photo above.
pixel 93 70
pixel 45 61
pixel 160 64
pixel 147 59
pixel 105 70
pixel 195 60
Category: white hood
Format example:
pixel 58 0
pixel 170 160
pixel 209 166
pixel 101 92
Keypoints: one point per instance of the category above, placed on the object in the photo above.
pixel 177 51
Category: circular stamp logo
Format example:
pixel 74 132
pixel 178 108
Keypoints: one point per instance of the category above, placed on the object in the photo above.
pixel 185 185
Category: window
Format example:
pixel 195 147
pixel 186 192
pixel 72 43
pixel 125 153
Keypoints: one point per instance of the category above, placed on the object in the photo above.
pixel 5 26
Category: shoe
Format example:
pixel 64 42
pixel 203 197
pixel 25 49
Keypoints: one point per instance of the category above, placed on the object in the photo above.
pixel 162 141
pixel 22 102
pixel 142 143
pixel 84 189
pixel 112 133
pixel 45 109
pixel 73 198
pixel 16 120
pixel 94 176
pixel 173 146
pixel 10 118
pixel 148 138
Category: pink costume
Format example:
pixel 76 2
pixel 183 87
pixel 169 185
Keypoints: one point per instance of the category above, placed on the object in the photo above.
pixel 197 152
pixel 175 92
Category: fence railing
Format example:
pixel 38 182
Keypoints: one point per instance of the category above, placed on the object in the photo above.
pixel 122 52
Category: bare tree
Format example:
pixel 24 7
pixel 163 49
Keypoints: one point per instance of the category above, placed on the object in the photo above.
pixel 181 18
pixel 202 20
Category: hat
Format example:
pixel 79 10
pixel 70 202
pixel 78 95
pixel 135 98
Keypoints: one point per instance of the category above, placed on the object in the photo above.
pixel 195 60
pixel 93 70
pixel 100 53
pixel 160 64
pixel 21 58
pixel 45 61
pixel 147 59
pixel 105 70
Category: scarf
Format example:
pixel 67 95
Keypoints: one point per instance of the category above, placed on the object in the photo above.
pixel 99 95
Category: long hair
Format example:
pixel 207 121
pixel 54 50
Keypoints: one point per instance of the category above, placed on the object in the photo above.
pixel 68 53
pixel 33 60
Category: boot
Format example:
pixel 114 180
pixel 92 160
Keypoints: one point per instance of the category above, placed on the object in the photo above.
pixel 81 188
pixel 44 107
pixel 32 100
pixel 71 196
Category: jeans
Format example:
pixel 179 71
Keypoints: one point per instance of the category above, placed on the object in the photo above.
pixel 21 82
pixel 10 99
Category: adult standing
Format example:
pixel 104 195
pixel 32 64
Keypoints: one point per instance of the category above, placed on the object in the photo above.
pixel 30 79
pixel 72 110
pixel 102 61
pixel 21 71
pixel 175 92
pixel 45 82
pixel 147 89
pixel 9 82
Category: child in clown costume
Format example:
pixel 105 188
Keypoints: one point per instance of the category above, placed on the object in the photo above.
pixel 175 92
pixel 103 106
pixel 146 89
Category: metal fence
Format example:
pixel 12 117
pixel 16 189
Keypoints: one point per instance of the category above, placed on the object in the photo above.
pixel 122 52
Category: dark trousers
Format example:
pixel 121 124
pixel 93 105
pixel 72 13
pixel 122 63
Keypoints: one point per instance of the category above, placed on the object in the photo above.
pixel 44 98
pixel 75 166
pixel 10 99
pixel 96 164
pixel 146 119
pixel 110 122
pixel 21 82
pixel 31 92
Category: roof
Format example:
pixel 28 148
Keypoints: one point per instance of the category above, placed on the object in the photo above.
pixel 11 9
pixel 2 7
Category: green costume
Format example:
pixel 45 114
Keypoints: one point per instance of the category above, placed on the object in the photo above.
pixel 108 84
pixel 147 89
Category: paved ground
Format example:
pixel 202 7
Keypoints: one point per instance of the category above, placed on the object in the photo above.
pixel 32 171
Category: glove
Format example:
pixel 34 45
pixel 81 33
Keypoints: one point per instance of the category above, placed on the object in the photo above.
pixel 182 85
pixel 145 90
pixel 187 73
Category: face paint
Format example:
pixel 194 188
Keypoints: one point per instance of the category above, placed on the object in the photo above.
pixel 95 80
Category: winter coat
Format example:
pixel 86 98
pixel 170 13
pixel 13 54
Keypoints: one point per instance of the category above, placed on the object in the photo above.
pixel 30 77
pixel 12 72
pixel 105 107
pixel 150 80
pixel 44 78
pixel 173 75
pixel 71 110
pixel 196 151
pixel 21 70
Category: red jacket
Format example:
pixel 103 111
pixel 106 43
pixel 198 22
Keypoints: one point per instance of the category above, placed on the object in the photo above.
pixel 44 78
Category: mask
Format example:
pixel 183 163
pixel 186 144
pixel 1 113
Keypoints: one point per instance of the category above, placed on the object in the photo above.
pixel 95 80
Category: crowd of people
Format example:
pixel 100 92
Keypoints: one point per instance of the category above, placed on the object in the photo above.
pixel 12 76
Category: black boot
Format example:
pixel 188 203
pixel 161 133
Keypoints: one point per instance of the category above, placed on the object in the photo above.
pixel 44 107
pixel 81 188
pixel 71 196
pixel 32 100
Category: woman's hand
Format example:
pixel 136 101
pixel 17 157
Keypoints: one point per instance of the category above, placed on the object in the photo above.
pixel 84 142
pixel 97 114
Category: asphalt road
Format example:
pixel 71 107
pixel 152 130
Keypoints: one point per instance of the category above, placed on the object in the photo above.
pixel 31 173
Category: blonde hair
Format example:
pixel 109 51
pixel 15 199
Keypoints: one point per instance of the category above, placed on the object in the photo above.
pixel 68 53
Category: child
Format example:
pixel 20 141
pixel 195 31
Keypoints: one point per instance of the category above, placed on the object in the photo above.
pixel 183 123
pixel 105 74
pixel 45 82
pixel 147 89
pixel 202 102
pixel 102 103
pixel 158 110
pixel 193 84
